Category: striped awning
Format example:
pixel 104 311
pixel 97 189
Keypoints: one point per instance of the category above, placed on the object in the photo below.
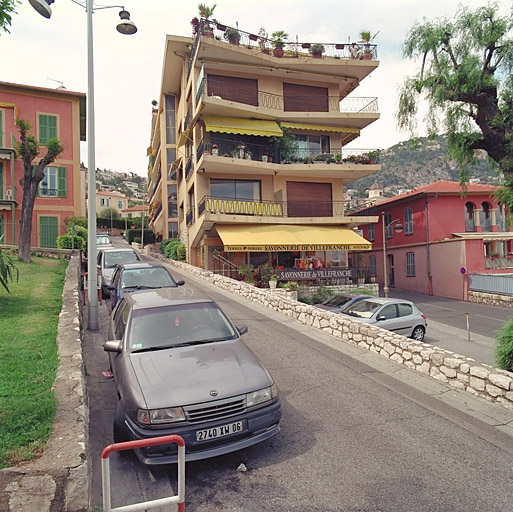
pixel 242 126
pixel 320 128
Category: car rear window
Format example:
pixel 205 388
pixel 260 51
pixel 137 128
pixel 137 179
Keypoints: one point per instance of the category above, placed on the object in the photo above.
pixel 115 258
pixel 154 328
pixel 147 278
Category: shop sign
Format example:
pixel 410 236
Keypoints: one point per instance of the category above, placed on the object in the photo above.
pixel 319 273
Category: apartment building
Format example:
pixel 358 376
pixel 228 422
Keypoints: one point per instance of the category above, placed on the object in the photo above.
pixel 248 162
pixel 51 113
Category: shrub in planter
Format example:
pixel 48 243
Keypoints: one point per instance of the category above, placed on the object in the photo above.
pixel 504 347
pixel 68 241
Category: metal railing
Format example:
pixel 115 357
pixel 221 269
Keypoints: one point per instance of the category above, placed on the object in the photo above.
pixel 491 283
pixel 264 44
pixel 229 206
pixel 188 168
pixel 189 218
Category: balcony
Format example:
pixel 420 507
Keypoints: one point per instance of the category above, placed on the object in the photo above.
pixel 281 209
pixel 270 152
pixel 265 45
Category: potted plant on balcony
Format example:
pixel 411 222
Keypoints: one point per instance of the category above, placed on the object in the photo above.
pixel 232 35
pixel 265 157
pixel 366 38
pixel 215 150
pixel 263 40
pixel 208 148
pixel 317 50
pixel 279 39
pixel 241 148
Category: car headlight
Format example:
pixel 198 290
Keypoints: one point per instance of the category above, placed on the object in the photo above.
pixel 158 416
pixel 262 395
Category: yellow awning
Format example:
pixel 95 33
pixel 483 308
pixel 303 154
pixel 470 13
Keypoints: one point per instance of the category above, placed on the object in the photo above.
pixel 266 238
pixel 241 126
pixel 320 128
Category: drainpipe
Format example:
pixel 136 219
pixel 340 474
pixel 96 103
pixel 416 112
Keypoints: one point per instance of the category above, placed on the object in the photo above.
pixel 428 253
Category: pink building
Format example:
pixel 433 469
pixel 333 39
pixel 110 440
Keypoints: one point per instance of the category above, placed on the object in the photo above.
pixel 51 113
pixel 446 237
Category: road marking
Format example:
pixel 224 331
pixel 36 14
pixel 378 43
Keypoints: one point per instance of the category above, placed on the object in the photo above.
pixel 492 318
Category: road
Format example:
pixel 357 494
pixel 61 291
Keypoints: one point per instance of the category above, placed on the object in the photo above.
pixel 358 433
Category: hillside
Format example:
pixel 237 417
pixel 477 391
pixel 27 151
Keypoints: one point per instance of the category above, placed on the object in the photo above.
pixel 406 166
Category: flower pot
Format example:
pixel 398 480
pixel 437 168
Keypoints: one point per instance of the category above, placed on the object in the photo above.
pixel 265 50
pixel 264 158
pixel 278 52
pixel 317 55
pixel 215 151
pixel 366 56
pixel 272 284
pixel 252 37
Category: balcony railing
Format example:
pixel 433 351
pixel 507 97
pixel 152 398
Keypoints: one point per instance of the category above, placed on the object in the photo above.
pixel 286 103
pixel 268 152
pixel 261 43
pixel 188 168
pixel 227 206
pixel 189 218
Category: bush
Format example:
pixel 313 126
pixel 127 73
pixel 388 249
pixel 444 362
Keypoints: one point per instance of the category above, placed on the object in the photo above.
pixel 171 249
pixel 181 251
pixel 80 231
pixel 77 221
pixel 504 347
pixel 68 241
pixel 165 243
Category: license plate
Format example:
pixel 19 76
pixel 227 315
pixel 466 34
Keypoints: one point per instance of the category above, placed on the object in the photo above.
pixel 217 432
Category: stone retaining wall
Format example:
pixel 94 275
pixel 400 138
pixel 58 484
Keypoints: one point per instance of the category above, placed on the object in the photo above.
pixel 493 299
pixel 458 371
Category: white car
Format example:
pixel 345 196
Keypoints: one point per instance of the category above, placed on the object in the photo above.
pixel 396 315
pixel 107 261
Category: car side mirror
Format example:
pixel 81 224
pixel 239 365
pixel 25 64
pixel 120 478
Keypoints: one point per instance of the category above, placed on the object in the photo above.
pixel 241 329
pixel 380 318
pixel 181 282
pixel 112 346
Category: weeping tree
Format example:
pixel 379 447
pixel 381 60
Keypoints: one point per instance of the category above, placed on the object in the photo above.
pixel 7 9
pixel 28 149
pixel 466 78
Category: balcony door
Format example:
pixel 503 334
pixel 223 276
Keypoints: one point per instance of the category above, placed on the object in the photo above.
pixel 240 90
pixel 306 199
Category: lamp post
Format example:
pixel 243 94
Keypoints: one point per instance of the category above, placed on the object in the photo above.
pixel 398 229
pixel 126 27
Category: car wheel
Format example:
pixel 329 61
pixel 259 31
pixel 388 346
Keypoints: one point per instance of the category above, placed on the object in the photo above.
pixel 119 428
pixel 418 333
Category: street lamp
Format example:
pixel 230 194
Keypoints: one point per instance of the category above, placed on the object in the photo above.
pixel 398 229
pixel 126 27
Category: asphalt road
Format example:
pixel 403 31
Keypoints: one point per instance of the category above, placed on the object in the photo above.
pixel 359 433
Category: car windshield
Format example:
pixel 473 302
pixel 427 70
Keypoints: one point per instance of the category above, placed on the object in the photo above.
pixel 172 326
pixel 363 309
pixel 338 300
pixel 103 240
pixel 146 278
pixel 114 258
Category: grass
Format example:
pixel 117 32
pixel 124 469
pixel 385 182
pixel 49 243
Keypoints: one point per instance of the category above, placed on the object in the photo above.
pixel 29 317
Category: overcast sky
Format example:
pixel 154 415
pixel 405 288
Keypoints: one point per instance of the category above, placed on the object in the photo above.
pixel 47 52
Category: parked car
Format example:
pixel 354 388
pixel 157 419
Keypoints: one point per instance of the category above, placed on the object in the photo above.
pixel 340 301
pixel 396 315
pixel 103 241
pixel 107 261
pixel 131 277
pixel 180 367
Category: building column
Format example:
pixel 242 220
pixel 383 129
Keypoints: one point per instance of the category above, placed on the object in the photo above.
pixel 477 220
pixel 493 220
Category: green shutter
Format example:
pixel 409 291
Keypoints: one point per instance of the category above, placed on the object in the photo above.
pixel 62 183
pixel 48 231
pixel 47 128
pixel 1 177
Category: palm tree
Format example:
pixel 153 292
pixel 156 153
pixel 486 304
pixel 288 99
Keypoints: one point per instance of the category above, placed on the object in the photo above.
pixel 205 11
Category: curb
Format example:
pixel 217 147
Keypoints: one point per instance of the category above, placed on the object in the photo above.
pixel 59 479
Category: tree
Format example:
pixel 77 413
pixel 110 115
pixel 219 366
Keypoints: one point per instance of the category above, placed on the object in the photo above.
pixel 27 149
pixel 7 9
pixel 8 271
pixel 465 76
pixel 109 213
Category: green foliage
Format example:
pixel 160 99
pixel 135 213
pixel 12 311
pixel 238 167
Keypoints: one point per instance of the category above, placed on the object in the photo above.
pixel 291 285
pixel 504 346
pixel 323 293
pixel 8 270
pixel 279 38
pixel 164 243
pixel 246 271
pixel 265 272
pixel 205 11
pixel 76 221
pixel 68 241
pixel 467 63
pixel 107 213
pixel 174 249
pixel 132 235
pixel 181 252
pixel 7 9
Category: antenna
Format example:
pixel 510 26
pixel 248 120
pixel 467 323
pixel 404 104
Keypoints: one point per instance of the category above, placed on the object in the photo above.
pixel 61 86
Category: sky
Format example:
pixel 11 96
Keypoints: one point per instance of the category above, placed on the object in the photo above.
pixel 127 69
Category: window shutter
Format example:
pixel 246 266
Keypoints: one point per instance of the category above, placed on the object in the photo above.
pixel 43 132
pixel 62 182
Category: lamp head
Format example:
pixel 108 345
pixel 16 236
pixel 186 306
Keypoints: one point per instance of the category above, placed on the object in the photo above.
pixel 42 7
pixel 125 26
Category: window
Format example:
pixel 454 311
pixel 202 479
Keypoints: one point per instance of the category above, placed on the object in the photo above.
pixel 241 90
pixel 172 229
pixel 53 183
pixel 312 145
pixel 170 120
pixel 172 201
pixel 372 265
pixel 408 221
pixel 104 201
pixel 241 190
pixel 47 127
pixel 469 217
pixel 171 170
pixel 388 225
pixel 120 204
pixel 410 264
pixel 371 232
pixel 305 98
